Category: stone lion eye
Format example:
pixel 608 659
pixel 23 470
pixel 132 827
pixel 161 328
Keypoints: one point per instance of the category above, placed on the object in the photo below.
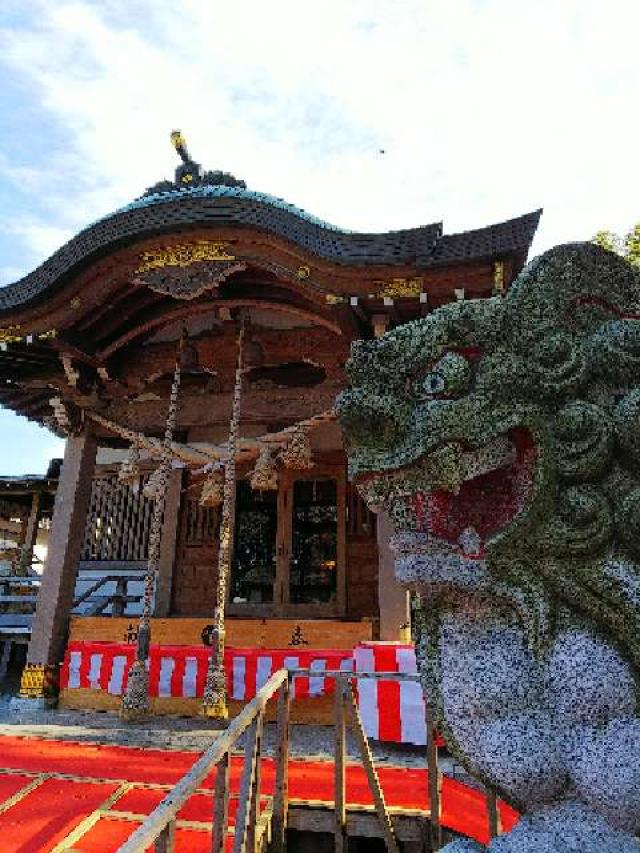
pixel 433 383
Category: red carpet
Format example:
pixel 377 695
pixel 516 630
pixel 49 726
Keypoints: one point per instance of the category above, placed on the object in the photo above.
pixel 56 806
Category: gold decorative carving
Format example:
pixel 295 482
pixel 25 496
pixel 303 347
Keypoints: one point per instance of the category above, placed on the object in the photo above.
pixel 184 255
pixel 399 288
pixel 76 302
pixel 10 335
pixel 303 272
pixel 334 299
pixel 498 277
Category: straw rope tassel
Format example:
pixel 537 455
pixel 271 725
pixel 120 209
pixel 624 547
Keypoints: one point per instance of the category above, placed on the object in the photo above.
pixel 135 702
pixel 214 701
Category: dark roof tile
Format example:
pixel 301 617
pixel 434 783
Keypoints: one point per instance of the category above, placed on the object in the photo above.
pixel 424 246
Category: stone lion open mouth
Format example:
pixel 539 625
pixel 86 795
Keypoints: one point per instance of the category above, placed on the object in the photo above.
pixel 447 506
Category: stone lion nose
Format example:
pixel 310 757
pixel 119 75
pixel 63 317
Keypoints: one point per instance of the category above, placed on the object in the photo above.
pixel 368 420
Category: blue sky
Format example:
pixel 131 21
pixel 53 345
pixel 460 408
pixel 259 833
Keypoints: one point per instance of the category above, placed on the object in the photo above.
pixel 485 109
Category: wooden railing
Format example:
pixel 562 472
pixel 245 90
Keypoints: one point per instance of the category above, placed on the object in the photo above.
pixel 17 593
pixel 18 604
pixel 251 825
pixel 345 701
pixel 159 828
pixel 118 599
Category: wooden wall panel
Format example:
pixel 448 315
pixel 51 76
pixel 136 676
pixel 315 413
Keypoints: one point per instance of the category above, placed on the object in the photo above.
pixel 194 582
pixel 362 559
pixel 118 519
pixel 241 633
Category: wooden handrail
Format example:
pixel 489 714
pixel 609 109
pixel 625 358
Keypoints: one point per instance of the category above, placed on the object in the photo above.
pixel 342 673
pixel 493 814
pixel 340 760
pixel 101 582
pixel 157 827
pixel 344 686
pixel 18 580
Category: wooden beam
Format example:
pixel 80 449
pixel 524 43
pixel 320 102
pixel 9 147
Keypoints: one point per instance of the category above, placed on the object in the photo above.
pixel 166 318
pixel 63 346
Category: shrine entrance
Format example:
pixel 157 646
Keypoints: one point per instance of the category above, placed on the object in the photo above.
pixel 289 553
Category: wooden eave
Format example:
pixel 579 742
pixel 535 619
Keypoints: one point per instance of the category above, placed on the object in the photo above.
pixel 101 308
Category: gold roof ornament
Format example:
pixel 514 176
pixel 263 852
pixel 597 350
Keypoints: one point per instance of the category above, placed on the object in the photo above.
pixel 180 144
pixel 264 477
pixel 297 454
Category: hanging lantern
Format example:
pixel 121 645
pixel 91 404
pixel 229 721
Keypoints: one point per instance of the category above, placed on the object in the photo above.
pixel 213 488
pixel 297 454
pixel 129 471
pixel 264 477
pixel 154 487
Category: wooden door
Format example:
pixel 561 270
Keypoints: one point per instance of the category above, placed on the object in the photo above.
pixel 311 542
pixel 289 546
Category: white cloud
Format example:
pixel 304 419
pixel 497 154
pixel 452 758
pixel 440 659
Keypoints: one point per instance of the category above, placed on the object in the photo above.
pixel 485 109
pixel 9 274
pixel 41 239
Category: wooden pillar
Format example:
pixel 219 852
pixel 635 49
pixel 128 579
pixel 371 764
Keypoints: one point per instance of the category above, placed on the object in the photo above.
pixel 31 533
pixel 168 540
pixel 393 597
pixel 55 599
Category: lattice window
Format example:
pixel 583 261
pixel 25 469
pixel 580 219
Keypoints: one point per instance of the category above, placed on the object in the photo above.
pixel 118 521
pixel 201 524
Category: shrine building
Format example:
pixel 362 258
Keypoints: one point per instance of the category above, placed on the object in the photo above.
pixel 88 348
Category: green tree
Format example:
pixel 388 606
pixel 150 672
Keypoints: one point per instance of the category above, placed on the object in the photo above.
pixel 632 245
pixel 628 246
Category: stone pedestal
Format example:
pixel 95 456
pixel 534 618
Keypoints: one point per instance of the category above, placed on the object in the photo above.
pixel 393 597
pixel 55 599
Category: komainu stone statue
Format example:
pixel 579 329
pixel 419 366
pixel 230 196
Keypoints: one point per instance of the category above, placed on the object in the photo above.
pixel 502 437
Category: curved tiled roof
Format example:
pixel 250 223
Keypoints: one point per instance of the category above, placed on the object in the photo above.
pixel 232 206
pixel 493 240
pixel 223 191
